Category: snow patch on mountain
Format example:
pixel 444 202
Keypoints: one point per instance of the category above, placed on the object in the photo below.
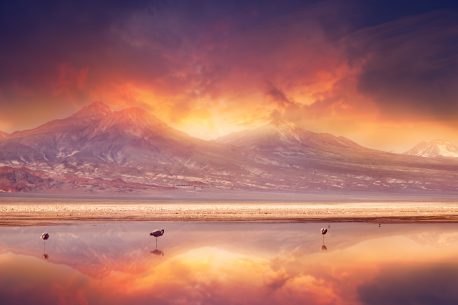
pixel 434 148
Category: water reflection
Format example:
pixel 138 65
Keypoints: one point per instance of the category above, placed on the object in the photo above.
pixel 211 263
pixel 45 237
pixel 45 255
pixel 157 252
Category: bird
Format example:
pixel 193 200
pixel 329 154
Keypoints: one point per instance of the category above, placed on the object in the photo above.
pixel 323 232
pixel 157 233
pixel 45 236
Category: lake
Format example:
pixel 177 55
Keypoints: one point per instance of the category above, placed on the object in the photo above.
pixel 230 263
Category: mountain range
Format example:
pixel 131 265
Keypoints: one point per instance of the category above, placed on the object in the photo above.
pixel 434 148
pixel 97 150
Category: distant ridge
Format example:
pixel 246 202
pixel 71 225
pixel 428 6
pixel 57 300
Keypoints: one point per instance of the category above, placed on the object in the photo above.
pixel 434 148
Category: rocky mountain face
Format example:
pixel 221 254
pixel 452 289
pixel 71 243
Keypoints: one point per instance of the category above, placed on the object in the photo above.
pixel 100 150
pixel 23 180
pixel 433 149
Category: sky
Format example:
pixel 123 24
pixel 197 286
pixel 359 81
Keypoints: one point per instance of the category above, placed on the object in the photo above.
pixel 382 73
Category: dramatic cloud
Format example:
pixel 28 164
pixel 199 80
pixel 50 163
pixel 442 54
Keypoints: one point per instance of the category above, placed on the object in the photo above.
pixel 212 67
pixel 410 65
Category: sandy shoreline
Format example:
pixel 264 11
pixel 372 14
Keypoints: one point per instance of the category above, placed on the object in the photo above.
pixel 27 213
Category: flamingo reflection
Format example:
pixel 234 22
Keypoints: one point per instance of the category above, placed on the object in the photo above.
pixel 157 252
pixel 45 237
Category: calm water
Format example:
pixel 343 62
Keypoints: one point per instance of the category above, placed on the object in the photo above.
pixel 230 263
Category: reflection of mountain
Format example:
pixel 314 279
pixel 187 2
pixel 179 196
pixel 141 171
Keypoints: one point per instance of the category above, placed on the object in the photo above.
pixel 127 247
pixel 101 250
pixel 91 251
pixel 98 149
pixel 434 148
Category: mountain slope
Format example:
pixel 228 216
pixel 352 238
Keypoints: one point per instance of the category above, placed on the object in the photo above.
pixel 129 144
pixel 3 135
pixel 303 160
pixel 434 148
pixel 292 141
pixel 97 134
pixel 100 150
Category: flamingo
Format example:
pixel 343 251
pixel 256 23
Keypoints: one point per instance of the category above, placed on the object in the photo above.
pixel 157 233
pixel 323 232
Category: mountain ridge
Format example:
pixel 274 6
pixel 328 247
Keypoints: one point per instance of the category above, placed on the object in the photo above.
pixel 129 150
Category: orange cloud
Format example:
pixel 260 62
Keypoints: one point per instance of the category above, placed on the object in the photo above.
pixel 70 80
pixel 212 71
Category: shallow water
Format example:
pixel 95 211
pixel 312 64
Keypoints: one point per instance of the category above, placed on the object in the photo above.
pixel 230 263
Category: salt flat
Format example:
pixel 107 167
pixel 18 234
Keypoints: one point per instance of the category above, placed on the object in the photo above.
pixel 17 212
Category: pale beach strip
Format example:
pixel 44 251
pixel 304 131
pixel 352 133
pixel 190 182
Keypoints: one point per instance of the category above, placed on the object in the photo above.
pixel 30 213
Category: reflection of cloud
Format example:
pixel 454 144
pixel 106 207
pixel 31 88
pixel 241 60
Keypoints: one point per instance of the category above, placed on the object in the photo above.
pixel 199 276
pixel 436 239
pixel 215 276
pixel 306 289
pixel 416 285
pixel 227 264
